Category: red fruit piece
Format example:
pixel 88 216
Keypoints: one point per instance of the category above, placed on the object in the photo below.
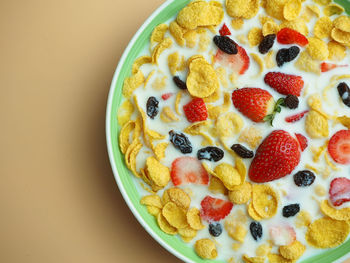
pixel 239 62
pixel 276 157
pixel 167 95
pixel 214 209
pixel 339 191
pixel 188 170
pixel 302 141
pixel 284 83
pixel 282 235
pixel 289 36
pixel 296 117
pixel 339 147
pixel 254 103
pixel 196 110
pixel 329 66
pixel 224 31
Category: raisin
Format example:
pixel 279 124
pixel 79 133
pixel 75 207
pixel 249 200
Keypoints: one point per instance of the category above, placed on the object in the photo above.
pixel 152 107
pixel 304 178
pixel 215 229
pixel 179 83
pixel 210 153
pixel 226 44
pixel 256 230
pixel 344 93
pixel 291 210
pixel 242 151
pixel 286 55
pixel 291 101
pixel 181 142
pixel 267 43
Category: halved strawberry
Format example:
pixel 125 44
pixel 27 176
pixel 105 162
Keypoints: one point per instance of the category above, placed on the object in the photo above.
pixel 282 235
pixel 224 31
pixel 329 66
pixel 339 191
pixel 239 62
pixel 214 209
pixel 196 110
pixel 284 83
pixel 302 141
pixel 289 36
pixel 339 147
pixel 296 117
pixel 188 170
pixel 276 157
pixel 166 96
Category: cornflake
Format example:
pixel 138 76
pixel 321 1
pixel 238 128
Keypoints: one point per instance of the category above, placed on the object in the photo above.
pixel 342 214
pixel 240 194
pixel 242 8
pixel 291 9
pixel 255 36
pixel 194 219
pixel 177 196
pixel 323 27
pixel 293 251
pixel 205 248
pixel 317 49
pixel 265 200
pixel 158 33
pixel 175 216
pixel 237 23
pixel 333 9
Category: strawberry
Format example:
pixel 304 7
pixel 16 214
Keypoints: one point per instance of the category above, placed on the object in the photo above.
pixel 339 191
pixel 187 170
pixel 254 103
pixel 296 117
pixel 166 96
pixel 282 235
pixel 224 31
pixel 276 157
pixel 339 147
pixel 214 209
pixel 239 62
pixel 284 83
pixel 329 66
pixel 196 110
pixel 302 141
pixel 290 36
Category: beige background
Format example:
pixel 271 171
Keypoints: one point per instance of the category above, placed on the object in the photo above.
pixel 58 198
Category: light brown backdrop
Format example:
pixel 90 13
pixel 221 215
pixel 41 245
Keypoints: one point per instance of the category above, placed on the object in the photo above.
pixel 58 198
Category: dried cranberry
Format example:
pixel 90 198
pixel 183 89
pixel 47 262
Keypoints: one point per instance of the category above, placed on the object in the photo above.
pixel 152 107
pixel 210 153
pixel 181 142
pixel 226 44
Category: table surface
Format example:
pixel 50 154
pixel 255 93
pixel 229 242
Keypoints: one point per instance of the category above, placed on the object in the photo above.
pixel 58 198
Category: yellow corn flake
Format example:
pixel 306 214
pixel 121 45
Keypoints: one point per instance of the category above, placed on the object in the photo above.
pixel 323 27
pixel 159 150
pixel 269 60
pixel 194 219
pixel 175 215
pixel 202 80
pixel 237 23
pixel 292 9
pixel 316 125
pixel 187 233
pixel 264 19
pixel 204 42
pixel 178 33
pixel 153 210
pixel 293 251
pixel 306 63
pixel 165 226
pixel 124 112
pixel 337 51
pixel 259 61
pixel 228 175
pixel 252 136
pixel 317 49
pixel 177 196
pixel 236 230
pixel 314 9
pixel 327 233
pixel 242 8
pixel 344 120
pixel 317 152
pixel 247 259
pixel 276 258
pixel 124 136
pixel 333 9
pixel 157 51
pixel 242 39
pixel 132 83
pixel 334 213
pixel 303 218
pixel 167 115
pixel 150 75
pixel 158 33
pixel 275 8
pixel 191 38
pixel 200 14
pixel 229 124
pixel 173 62
pixel 342 23
pixel 152 200
pixel 131 158
pixel 313 168
pixel 241 168
pixel 252 213
pixel 340 36
pixel 205 248
pixel 222 74
pixel 329 163
pixel 265 200
pixel 177 102
pixel 213 97
pixel 158 173
pixel 139 62
pixel 216 186
pixel 322 2
pixel 255 36
pixel 154 135
pixel 240 194
pixel 160 83
pixel 197 127
pixel 263 250
pixel 320 190
pixel 270 27
pixel 297 24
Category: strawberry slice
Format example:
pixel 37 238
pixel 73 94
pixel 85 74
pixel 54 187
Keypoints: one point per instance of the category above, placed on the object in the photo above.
pixel 214 209
pixel 284 83
pixel 239 62
pixel 196 110
pixel 224 31
pixel 339 191
pixel 188 170
pixel 329 66
pixel 302 141
pixel 166 96
pixel 289 36
pixel 276 157
pixel 339 147
pixel 282 235
pixel 296 117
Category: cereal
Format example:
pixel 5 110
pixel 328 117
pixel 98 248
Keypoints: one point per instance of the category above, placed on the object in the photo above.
pixel 333 9
pixel 323 27
pixel 124 112
pixel 316 125
pixel 251 136
pixel 213 97
pixel 216 186
pixel 177 196
pixel 247 259
pixel 274 8
pixel 229 124
pixel 204 42
pixel 317 49
pixel 270 62
pixel 314 9
pixel 240 194
pixel 270 27
pixel 165 226
pixel 293 251
pixel 159 83
pixel 157 172
pixel 177 102
pixel 167 115
pixel 265 200
pixel 152 200
pixel 187 233
pixel 322 2
pixel 320 190
pixel 124 141
pixel 175 215
pixel 139 62
pixel 276 258
pixel 306 63
pixel 237 23
pixel 191 38
pixel 291 9
pixel 173 62
pixel 303 218
pixel 345 121
pixel 157 51
pixel 236 230
pixel 342 23
pixel 153 210
pixel 205 248
pixel 132 83
pixel 327 233
pixel 337 51
pixel 197 127
pixel 158 33
pixel 242 8
pixel 263 250
pixel 255 36
pixel 159 150
pixel 150 75
pixel 340 36
pixel 259 61
pixel 241 168
pixel 228 175
pixel 194 219
pixel 297 24
pixel 253 214
pixel 342 214
pixel 222 74
pixel 177 32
